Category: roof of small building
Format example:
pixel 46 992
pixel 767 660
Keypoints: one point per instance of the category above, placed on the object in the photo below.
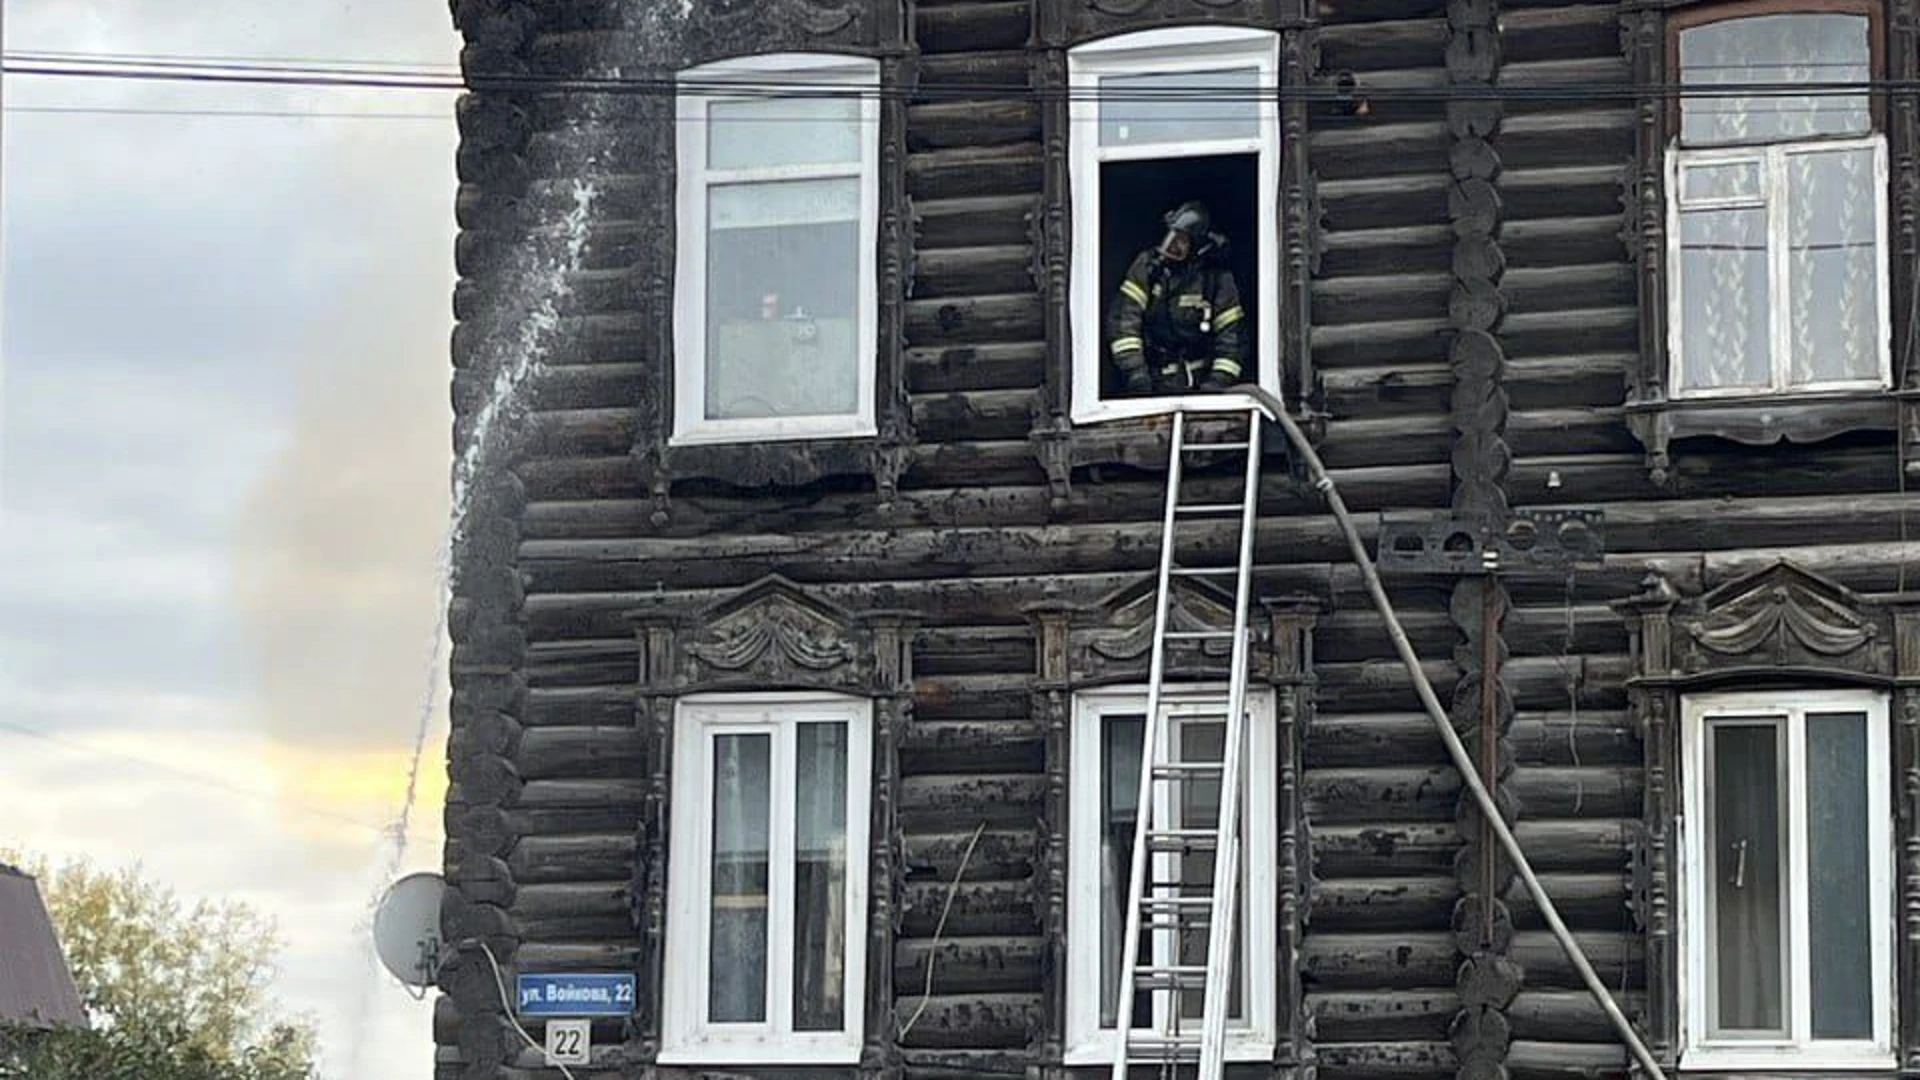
pixel 35 985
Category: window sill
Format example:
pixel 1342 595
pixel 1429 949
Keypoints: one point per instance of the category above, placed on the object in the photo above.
pixel 767 1050
pixel 1242 1048
pixel 1785 1063
pixel 1758 420
pixel 731 435
pixel 760 463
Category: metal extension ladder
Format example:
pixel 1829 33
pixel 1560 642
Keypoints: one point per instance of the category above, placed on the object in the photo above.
pixel 1166 906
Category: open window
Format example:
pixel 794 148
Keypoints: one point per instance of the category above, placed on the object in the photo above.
pixel 775 285
pixel 1777 203
pixel 1108 726
pixel 767 884
pixel 1788 927
pixel 1159 118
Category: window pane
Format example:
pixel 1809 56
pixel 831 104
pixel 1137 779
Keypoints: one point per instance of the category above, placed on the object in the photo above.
pixel 783 283
pixel 1205 741
pixel 1745 884
pixel 737 957
pixel 1835 265
pixel 1120 743
pixel 1773 49
pixel 1723 285
pixel 820 878
pixel 1839 916
pixel 783 131
pixel 1720 180
pixel 1176 108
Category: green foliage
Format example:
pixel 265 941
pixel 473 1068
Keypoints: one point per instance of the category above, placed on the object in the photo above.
pixel 141 1052
pixel 186 986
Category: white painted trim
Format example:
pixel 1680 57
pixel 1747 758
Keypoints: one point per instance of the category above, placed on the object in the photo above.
pixel 686 1035
pixel 694 180
pixel 1183 50
pixel 1775 198
pixel 1795 1050
pixel 1251 1038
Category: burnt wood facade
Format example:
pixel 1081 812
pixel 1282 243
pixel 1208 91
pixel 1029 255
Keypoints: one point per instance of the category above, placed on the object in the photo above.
pixel 1472 273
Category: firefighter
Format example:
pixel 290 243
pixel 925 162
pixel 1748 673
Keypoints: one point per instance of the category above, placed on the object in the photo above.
pixel 1177 325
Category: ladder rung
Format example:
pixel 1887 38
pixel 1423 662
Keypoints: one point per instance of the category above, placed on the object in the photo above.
pixel 1164 1048
pixel 1204 571
pixel 1194 509
pixel 1202 447
pixel 1184 977
pixel 1161 905
pixel 1178 840
pixel 1187 770
pixel 1198 635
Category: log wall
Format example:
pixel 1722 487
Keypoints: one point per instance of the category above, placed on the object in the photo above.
pixel 1474 312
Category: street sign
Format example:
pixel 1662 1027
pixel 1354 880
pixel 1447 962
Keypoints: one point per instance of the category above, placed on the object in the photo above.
pixel 569 1043
pixel 575 995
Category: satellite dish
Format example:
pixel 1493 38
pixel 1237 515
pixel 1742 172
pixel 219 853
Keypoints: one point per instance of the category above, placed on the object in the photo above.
pixel 406 929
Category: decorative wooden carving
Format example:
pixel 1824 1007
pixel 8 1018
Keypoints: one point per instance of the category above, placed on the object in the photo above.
pixel 1063 23
pixel 1112 640
pixel 1655 417
pixel 1906 763
pixel 1778 624
pixel 1782 618
pixel 771 635
pixel 1482 708
pixel 722 29
pixel 1053 706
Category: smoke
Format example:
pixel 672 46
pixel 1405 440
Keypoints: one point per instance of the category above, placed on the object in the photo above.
pixel 335 561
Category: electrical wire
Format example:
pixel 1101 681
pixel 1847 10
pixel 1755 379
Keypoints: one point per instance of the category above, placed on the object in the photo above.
pixel 1489 810
pixel 314 76
pixel 274 114
pixel 506 1003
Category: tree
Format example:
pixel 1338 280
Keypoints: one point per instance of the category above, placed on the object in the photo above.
pixel 156 973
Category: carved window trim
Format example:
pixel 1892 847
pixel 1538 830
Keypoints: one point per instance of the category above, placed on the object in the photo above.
pixel 1786 629
pixel 1656 414
pixel 771 638
pixel 726 30
pixel 831 73
pixel 1092 647
pixel 1254 1036
pixel 1169 50
pixel 1060 25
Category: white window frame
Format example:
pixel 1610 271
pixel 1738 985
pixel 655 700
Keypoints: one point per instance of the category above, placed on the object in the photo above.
pixel 686 1037
pixel 828 72
pixel 1797 1052
pixel 1252 1038
pixel 1176 50
pixel 1775 197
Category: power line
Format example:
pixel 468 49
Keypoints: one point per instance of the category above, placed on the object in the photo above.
pixel 104 110
pixel 226 59
pixel 206 779
pixel 533 83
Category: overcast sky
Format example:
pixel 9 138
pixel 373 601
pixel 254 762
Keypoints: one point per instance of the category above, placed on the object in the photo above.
pixel 223 474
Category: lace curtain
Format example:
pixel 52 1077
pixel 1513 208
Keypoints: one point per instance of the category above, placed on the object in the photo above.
pixel 1819 201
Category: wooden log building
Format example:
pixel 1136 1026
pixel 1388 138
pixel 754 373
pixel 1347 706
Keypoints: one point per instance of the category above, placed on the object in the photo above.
pixel 799 608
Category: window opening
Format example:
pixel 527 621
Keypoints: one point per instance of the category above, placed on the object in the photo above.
pixel 1162 119
pixel 1790 907
pixel 1778 209
pixel 1108 728
pixel 776 286
pixel 768 880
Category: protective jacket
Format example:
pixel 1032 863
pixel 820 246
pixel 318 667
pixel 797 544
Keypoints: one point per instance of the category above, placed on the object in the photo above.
pixel 1180 321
